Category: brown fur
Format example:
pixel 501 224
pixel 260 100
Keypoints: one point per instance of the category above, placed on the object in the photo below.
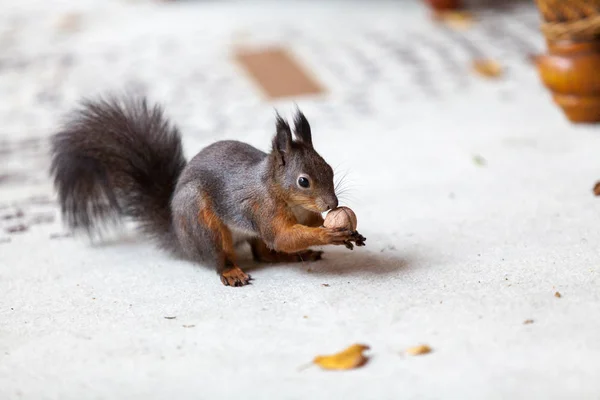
pixel 304 201
pixel 290 237
pixel 315 220
pixel 210 220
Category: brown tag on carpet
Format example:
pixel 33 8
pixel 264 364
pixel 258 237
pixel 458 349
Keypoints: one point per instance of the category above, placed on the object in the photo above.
pixel 277 73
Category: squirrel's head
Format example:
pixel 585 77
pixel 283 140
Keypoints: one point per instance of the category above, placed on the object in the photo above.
pixel 302 175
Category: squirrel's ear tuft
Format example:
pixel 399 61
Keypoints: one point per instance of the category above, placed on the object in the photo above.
pixel 282 142
pixel 302 129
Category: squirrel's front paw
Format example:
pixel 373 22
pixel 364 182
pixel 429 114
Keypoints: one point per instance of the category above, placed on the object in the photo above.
pixel 343 236
pixel 234 276
pixel 338 236
pixel 359 239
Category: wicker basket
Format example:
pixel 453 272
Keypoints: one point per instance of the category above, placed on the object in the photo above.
pixel 570 19
pixel 570 69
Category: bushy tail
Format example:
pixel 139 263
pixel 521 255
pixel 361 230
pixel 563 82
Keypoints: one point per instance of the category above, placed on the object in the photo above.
pixel 116 159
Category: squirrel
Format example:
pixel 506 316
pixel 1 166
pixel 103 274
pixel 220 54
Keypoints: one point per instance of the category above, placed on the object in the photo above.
pixel 122 158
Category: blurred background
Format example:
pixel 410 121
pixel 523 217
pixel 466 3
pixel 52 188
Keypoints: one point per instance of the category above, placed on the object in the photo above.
pixel 364 62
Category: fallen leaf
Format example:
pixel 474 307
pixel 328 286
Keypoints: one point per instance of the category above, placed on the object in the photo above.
pixel 528 321
pixel 479 160
pixel 350 358
pixel 419 350
pixel 597 189
pixel 487 68
pixel 69 22
pixel 457 20
pixel 557 294
pixel 325 284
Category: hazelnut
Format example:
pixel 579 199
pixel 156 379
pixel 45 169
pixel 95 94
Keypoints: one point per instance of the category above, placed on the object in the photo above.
pixel 341 217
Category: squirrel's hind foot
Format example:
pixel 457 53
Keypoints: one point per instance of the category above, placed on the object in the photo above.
pixel 234 276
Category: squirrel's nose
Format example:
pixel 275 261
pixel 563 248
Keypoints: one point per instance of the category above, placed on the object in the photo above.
pixel 332 203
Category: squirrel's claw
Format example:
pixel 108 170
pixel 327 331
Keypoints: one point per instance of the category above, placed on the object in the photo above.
pixel 359 239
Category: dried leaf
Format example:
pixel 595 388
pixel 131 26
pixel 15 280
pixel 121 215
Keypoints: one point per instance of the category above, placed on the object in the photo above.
pixel 528 321
pixel 597 189
pixel 453 19
pixel 69 22
pixel 557 294
pixel 350 358
pixel 487 68
pixel 479 160
pixel 419 350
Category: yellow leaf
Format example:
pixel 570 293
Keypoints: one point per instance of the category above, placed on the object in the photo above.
pixel 597 189
pixel 419 350
pixel 457 20
pixel 350 358
pixel 487 68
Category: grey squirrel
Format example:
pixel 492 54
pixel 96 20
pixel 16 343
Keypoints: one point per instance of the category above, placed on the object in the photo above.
pixel 118 158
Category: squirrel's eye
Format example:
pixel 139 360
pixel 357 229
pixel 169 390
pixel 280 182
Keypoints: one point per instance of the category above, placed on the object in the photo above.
pixel 303 182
